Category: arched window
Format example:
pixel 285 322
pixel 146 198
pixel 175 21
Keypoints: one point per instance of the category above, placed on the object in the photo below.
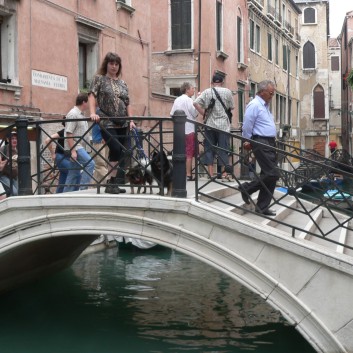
pixel 309 15
pixel 319 102
pixel 309 56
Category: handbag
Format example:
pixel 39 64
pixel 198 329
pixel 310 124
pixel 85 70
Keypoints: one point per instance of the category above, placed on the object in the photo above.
pixel 227 110
pixel 120 122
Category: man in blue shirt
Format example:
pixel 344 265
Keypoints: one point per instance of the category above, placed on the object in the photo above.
pixel 260 127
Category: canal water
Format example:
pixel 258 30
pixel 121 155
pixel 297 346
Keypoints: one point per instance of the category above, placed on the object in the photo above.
pixel 119 301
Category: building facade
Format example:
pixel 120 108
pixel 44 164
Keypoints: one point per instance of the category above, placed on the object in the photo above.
pixel 346 41
pixel 274 45
pixel 314 75
pixel 50 50
pixel 192 40
pixel 335 82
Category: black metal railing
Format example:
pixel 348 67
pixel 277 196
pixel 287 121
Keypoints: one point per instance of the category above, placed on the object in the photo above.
pixel 304 175
pixel 307 181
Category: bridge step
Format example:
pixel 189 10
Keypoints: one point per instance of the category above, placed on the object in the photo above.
pixel 289 212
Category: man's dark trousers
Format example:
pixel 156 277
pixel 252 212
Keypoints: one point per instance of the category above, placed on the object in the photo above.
pixel 266 183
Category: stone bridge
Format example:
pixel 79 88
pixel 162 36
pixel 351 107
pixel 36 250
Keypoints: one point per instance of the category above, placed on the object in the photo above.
pixel 309 284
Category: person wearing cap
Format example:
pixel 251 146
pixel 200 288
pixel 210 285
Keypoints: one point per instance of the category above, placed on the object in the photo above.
pixel 259 126
pixel 208 104
pixel 9 169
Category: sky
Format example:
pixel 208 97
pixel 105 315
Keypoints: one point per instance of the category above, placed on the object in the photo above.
pixel 338 9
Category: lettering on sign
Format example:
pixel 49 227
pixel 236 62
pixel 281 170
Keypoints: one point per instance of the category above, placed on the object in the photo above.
pixel 45 79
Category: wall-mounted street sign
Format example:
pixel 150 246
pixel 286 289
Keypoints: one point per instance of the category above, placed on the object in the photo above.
pixel 48 80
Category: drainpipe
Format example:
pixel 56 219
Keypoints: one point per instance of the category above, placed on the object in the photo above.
pixel 199 54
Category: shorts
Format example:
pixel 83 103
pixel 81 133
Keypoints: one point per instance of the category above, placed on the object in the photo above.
pixel 190 145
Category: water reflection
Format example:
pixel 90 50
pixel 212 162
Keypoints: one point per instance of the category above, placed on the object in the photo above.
pixel 176 300
pixel 123 302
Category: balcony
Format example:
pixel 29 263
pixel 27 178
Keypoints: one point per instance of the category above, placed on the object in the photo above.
pixel 257 3
pixel 278 18
pixel 298 37
pixel 271 13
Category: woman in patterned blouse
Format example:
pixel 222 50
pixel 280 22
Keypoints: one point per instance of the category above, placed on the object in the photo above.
pixel 109 98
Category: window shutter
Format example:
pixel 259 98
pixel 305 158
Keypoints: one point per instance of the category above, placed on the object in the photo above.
pixel 181 24
pixel 308 56
pixel 335 63
pixel 319 103
pixel 309 15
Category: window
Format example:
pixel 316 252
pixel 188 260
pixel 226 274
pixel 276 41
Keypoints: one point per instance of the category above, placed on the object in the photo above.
pixel 252 92
pixel 283 101
pixel 278 108
pixel 241 104
pixel 252 35
pixel 87 63
pixel 285 58
pixel 172 84
pixel 175 91
pixel 181 24
pixel 276 51
pixel 309 56
pixel 240 55
pixel 296 66
pixel 8 44
pixel 335 63
pixel 126 5
pixel 289 111
pixel 269 46
pixel 255 35
pixel 219 25
pixel 319 102
pixel 309 15
pixel 88 37
pixel 258 36
pixel 289 62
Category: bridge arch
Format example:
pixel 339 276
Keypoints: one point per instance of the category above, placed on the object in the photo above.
pixel 284 271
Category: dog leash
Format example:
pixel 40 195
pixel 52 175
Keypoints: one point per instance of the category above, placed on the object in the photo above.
pixel 140 152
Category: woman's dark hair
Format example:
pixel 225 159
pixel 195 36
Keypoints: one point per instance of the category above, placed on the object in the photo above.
pixel 110 57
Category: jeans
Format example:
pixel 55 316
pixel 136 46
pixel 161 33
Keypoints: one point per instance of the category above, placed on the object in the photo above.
pixel 216 145
pixel 74 177
pixel 5 181
pixel 63 164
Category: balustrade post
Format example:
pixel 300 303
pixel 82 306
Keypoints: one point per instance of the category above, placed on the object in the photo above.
pixel 179 155
pixel 24 157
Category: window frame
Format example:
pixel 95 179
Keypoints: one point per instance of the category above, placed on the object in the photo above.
pixel 269 47
pixel 219 26
pixel 309 60
pixel 185 24
pixel 335 63
pixel 305 10
pixel 319 102
pixel 240 52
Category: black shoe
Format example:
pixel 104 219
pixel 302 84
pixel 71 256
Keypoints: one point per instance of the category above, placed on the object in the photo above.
pixel 112 188
pixel 245 197
pixel 190 178
pixel 267 212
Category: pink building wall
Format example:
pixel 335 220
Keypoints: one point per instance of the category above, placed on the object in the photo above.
pixel 48 41
pixel 201 59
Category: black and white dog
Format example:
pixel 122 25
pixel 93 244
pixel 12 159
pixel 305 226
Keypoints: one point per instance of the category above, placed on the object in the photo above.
pixel 162 166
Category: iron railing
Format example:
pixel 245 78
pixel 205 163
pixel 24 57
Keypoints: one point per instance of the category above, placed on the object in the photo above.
pixel 304 175
pixel 306 183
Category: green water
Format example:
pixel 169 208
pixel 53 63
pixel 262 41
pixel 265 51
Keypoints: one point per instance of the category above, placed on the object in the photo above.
pixel 134 302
